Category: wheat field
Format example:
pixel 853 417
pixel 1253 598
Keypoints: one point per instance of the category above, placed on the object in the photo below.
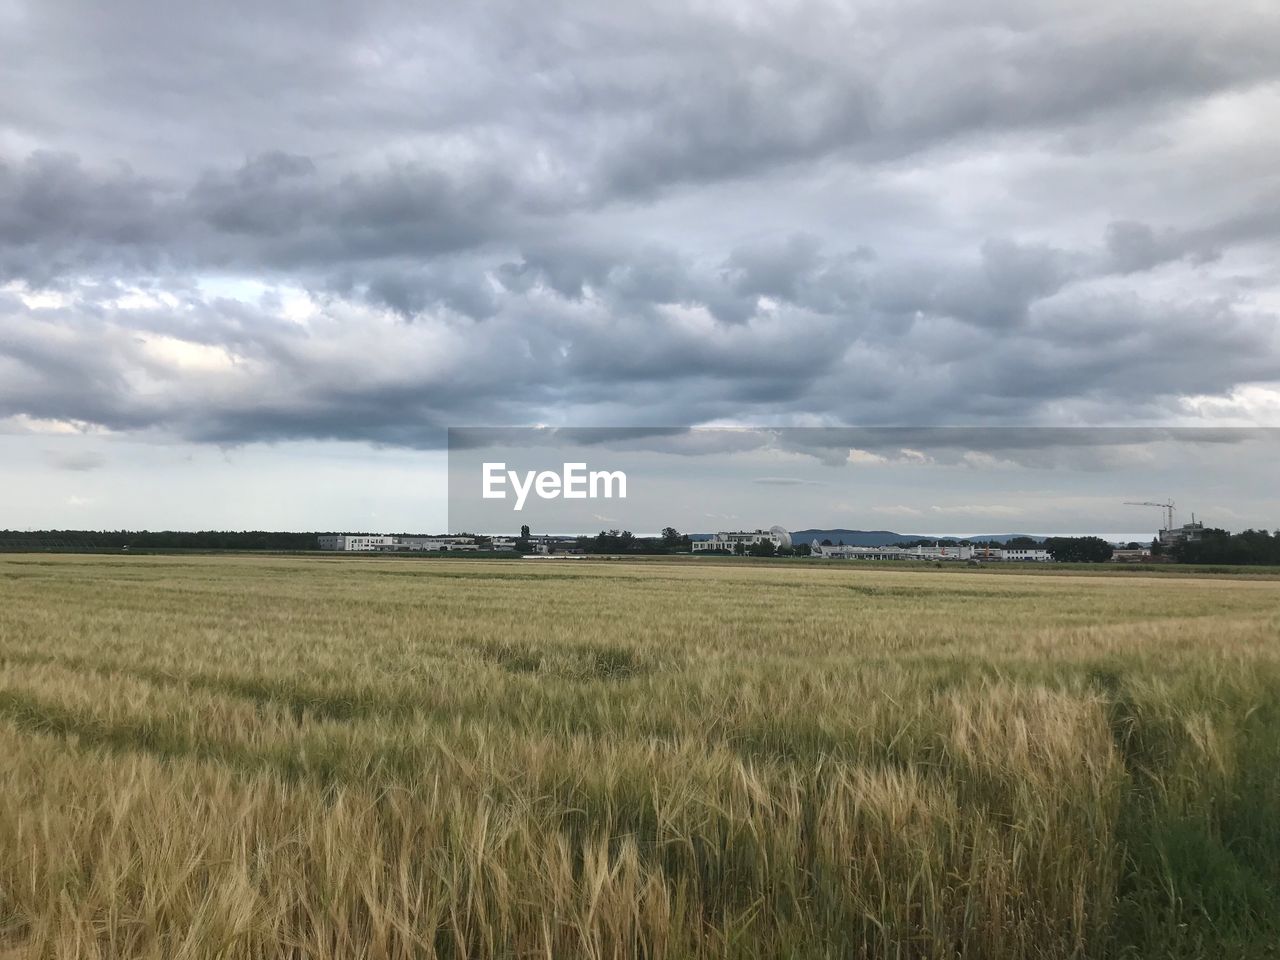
pixel 244 757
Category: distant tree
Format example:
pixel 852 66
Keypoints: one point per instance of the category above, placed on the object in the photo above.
pixel 802 550
pixel 1079 549
pixel 1022 543
pixel 1133 545
pixel 621 541
pixel 827 542
pixel 1218 546
pixel 673 541
pixel 764 548
pixel 88 540
pixel 740 548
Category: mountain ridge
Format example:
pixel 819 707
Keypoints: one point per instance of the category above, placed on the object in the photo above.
pixel 883 538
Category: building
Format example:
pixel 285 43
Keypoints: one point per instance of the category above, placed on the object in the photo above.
pixel 1126 555
pixel 1026 554
pixel 438 543
pixel 549 546
pixel 728 541
pixel 365 544
pixel 845 552
pixel 359 543
pixel 1191 532
pixel 938 551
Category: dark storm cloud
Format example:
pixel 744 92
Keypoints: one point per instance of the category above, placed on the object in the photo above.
pixel 275 214
pixel 326 221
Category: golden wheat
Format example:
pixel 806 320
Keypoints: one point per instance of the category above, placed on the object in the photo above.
pixel 332 758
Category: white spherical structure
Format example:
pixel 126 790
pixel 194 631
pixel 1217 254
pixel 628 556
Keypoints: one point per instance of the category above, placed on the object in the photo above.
pixel 784 537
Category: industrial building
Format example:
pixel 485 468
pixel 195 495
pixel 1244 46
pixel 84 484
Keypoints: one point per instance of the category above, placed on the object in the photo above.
pixel 1191 532
pixel 1169 534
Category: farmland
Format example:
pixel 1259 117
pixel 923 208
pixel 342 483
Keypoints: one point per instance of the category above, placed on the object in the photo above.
pixel 327 758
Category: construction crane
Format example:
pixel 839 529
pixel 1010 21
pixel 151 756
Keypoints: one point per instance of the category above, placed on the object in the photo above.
pixel 1166 507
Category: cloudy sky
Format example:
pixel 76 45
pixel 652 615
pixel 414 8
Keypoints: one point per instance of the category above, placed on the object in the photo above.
pixel 960 481
pixel 255 258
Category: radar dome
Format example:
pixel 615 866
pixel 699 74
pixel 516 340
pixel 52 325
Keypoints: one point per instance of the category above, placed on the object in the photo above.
pixel 784 538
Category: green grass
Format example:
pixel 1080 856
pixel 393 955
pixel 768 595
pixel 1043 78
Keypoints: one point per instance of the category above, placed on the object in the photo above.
pixel 258 757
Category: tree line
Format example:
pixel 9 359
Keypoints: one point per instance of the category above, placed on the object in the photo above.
pixel 1215 545
pixel 156 540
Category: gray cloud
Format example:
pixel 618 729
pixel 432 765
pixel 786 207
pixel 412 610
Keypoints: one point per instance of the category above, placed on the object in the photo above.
pixel 324 222
pixel 786 481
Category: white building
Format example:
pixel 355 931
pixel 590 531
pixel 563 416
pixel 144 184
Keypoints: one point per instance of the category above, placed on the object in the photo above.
pixel 727 541
pixel 357 543
pixel 1032 554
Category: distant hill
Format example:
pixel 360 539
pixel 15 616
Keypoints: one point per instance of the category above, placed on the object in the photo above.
pixel 882 538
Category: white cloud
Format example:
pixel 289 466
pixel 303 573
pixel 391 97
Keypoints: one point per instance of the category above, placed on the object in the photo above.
pixel 865 457
pixel 1253 404
pixel 897 510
